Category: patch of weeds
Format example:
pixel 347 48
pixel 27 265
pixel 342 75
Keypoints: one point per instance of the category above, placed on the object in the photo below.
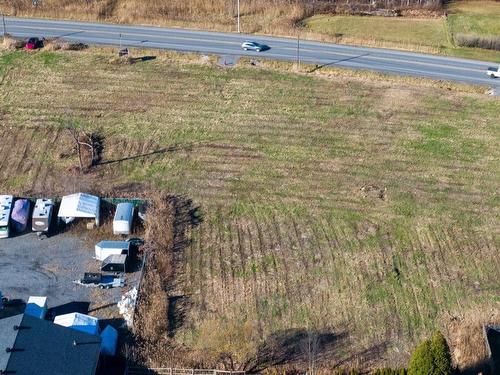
pixel 418 257
pixel 17 181
pixel 375 294
pixel 50 59
pixel 406 205
pixel 7 59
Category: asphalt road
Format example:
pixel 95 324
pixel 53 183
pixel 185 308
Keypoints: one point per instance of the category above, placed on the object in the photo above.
pixel 380 60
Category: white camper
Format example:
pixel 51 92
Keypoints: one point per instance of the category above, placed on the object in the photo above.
pixel 79 205
pixel 5 211
pixel 106 248
pixel 122 223
pixel 42 215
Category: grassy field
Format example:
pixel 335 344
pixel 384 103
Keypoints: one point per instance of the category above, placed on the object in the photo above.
pixel 478 17
pixel 362 211
pixel 429 32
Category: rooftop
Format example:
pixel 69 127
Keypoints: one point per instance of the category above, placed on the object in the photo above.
pixel 44 348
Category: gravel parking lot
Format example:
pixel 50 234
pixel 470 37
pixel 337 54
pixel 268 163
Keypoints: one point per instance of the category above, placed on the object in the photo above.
pixel 30 266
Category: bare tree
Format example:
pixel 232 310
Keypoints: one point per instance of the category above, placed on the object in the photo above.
pixel 311 346
pixel 83 139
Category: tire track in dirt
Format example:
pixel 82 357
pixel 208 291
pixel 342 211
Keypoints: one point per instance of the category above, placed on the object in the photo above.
pixel 395 328
pixel 26 147
pixel 446 266
pixel 399 300
pixel 325 266
pixel 283 256
pixel 249 288
pixel 234 281
pixel 430 267
pixel 267 252
pixel 49 144
pixel 302 253
pixel 261 252
pixel 345 282
pixel 210 258
pixel 6 154
pixel 417 267
pixel 256 283
pixel 222 268
pixel 3 145
pixel 200 270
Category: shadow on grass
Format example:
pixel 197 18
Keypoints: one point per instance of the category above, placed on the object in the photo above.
pixel 155 152
pixel 296 348
pixel 318 67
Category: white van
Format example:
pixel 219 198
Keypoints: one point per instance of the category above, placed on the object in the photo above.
pixel 122 223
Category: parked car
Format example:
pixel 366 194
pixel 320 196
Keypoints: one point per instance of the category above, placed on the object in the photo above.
pixel 34 43
pixel 254 46
pixel 493 72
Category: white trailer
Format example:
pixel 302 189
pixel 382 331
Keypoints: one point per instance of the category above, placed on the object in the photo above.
pixel 106 248
pixel 5 211
pixel 122 222
pixel 42 215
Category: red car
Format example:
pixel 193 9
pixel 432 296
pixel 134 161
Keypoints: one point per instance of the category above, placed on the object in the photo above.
pixel 34 43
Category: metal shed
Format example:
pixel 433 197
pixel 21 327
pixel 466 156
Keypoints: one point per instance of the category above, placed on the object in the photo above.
pixel 122 223
pixel 106 248
pixel 115 263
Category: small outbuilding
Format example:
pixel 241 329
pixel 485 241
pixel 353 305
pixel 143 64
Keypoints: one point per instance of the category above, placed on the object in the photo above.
pixel 80 322
pixel 79 205
pixel 36 307
pixel 106 248
pixel 122 223
pixel 115 263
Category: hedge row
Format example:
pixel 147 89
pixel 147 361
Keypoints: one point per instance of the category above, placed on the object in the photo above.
pixel 477 41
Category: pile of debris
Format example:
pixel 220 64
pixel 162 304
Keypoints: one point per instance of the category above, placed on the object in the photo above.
pixel 11 43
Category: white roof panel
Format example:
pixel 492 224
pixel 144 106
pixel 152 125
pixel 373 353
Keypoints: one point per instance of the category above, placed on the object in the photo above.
pixel 80 322
pixel 79 205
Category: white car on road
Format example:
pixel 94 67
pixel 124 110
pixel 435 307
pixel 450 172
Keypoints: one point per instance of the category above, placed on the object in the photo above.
pixel 493 72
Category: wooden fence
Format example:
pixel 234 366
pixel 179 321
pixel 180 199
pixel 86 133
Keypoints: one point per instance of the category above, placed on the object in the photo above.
pixel 178 371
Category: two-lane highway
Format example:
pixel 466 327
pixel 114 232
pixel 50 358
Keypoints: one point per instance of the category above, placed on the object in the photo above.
pixel 374 59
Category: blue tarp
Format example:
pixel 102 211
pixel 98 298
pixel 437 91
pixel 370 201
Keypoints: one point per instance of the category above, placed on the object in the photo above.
pixel 20 214
pixel 109 337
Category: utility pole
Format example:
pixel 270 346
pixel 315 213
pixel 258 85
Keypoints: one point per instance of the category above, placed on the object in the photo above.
pixel 298 49
pixel 3 21
pixel 238 16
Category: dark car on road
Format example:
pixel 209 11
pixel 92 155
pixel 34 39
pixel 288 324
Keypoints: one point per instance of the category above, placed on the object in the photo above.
pixel 34 43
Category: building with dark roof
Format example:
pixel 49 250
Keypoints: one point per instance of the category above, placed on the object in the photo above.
pixel 33 346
